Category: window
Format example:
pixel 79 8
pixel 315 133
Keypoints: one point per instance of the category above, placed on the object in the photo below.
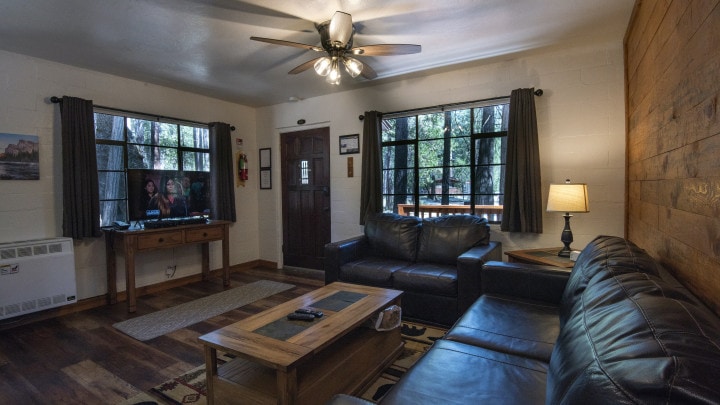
pixel 446 161
pixel 127 142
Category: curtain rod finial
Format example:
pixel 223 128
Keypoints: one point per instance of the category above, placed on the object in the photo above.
pixel 361 117
pixel 55 99
pixel 539 92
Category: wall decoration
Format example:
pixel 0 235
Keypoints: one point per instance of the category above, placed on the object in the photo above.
pixel 265 169
pixel 265 179
pixel 349 144
pixel 19 157
pixel 265 160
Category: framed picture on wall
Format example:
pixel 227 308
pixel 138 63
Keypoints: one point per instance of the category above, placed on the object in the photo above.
pixel 349 144
pixel 265 159
pixel 265 179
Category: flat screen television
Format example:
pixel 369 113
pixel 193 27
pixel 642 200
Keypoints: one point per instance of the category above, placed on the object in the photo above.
pixel 162 194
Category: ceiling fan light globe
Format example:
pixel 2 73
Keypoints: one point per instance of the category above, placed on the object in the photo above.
pixel 323 66
pixel 334 76
pixel 353 66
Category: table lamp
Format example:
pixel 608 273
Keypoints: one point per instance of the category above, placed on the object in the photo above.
pixel 567 198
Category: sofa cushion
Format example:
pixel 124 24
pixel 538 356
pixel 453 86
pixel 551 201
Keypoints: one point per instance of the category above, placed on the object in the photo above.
pixel 393 236
pixel 636 339
pixel 371 270
pixel 444 238
pixel 427 277
pixel 605 256
pixel 509 325
pixel 457 373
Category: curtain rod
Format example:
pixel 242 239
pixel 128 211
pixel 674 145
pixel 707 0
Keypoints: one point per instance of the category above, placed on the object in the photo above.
pixel 538 92
pixel 58 100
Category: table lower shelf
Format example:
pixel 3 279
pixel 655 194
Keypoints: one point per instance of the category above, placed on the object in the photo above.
pixel 347 366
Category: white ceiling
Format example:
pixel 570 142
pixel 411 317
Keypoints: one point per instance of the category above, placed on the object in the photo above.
pixel 203 46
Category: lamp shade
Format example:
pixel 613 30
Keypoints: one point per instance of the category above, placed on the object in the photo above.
pixel 568 197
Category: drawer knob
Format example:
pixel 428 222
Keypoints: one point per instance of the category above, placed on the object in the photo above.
pixel 161 240
pixel 205 234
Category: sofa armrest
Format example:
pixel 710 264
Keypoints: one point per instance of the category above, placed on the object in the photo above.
pixel 341 252
pixel 469 268
pixel 529 281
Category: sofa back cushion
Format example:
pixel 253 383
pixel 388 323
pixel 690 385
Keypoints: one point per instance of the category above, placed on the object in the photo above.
pixel 444 238
pixel 636 339
pixel 392 236
pixel 605 256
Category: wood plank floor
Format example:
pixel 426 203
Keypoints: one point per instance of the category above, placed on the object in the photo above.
pixel 81 359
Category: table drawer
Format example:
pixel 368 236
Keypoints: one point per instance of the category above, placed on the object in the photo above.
pixel 158 240
pixel 204 234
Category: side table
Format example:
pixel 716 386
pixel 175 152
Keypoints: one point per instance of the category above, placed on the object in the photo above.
pixel 545 256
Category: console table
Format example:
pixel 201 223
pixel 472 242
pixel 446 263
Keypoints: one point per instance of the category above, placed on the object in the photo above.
pixel 132 241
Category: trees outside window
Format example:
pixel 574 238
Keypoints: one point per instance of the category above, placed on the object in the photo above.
pixel 130 142
pixel 453 158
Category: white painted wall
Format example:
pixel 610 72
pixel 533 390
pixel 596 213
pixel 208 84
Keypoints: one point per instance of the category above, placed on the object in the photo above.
pixel 33 209
pixel 581 124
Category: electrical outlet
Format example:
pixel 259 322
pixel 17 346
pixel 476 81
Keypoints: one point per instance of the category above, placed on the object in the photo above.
pixel 170 271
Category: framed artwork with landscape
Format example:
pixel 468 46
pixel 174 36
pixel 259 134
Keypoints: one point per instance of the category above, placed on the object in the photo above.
pixel 19 157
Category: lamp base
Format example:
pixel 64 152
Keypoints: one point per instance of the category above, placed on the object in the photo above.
pixel 566 237
pixel 565 252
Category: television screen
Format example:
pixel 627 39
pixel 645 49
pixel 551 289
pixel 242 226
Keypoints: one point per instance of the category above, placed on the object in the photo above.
pixel 157 194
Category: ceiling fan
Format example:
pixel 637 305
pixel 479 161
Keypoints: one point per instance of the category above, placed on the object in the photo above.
pixel 336 40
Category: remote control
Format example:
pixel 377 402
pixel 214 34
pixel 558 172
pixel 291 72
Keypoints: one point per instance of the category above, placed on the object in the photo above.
pixel 301 317
pixel 316 314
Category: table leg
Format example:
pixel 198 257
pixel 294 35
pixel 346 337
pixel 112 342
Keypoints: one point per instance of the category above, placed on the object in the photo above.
pixel 287 386
pixel 130 274
pixel 111 267
pixel 210 372
pixel 226 255
pixel 205 248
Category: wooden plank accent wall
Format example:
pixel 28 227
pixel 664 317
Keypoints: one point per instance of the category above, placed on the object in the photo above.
pixel 672 68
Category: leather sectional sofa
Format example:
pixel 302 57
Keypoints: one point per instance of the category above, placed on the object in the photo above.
pixel 618 329
pixel 435 261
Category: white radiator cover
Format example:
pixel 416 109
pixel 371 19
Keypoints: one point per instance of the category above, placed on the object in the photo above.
pixel 36 275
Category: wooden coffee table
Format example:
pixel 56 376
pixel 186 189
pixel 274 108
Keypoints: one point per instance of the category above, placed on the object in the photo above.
pixel 296 362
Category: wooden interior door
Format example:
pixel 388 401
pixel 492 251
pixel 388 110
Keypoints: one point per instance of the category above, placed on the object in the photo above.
pixel 305 196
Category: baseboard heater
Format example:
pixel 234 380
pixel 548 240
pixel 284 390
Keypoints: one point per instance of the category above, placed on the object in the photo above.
pixel 36 275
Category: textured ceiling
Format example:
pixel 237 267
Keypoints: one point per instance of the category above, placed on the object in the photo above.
pixel 203 46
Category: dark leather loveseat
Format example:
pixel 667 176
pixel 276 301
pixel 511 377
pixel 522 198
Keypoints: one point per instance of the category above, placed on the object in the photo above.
pixel 617 330
pixel 435 261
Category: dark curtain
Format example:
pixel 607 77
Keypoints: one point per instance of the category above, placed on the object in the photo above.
pixel 371 183
pixel 221 163
pixel 522 210
pixel 81 198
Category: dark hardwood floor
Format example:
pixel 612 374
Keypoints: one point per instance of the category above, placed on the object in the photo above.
pixel 81 359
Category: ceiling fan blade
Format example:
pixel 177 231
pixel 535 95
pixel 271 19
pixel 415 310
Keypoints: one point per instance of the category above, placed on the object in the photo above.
pixel 368 72
pixel 386 49
pixel 340 29
pixel 288 43
pixel 305 66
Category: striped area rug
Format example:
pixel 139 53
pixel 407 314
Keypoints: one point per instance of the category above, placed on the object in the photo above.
pixel 158 323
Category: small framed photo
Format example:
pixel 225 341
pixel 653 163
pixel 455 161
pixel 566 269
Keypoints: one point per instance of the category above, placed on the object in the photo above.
pixel 349 144
pixel 265 159
pixel 265 179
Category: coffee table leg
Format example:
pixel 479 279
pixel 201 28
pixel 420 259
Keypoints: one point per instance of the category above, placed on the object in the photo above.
pixel 287 386
pixel 210 372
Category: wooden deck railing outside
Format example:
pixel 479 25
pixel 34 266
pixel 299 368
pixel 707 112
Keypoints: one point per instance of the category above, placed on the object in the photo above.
pixel 491 212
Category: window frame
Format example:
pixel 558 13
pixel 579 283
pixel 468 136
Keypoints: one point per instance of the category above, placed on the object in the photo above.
pixel 472 165
pixel 125 143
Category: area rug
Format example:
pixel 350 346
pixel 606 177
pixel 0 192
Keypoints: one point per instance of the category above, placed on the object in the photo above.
pixel 190 388
pixel 158 323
